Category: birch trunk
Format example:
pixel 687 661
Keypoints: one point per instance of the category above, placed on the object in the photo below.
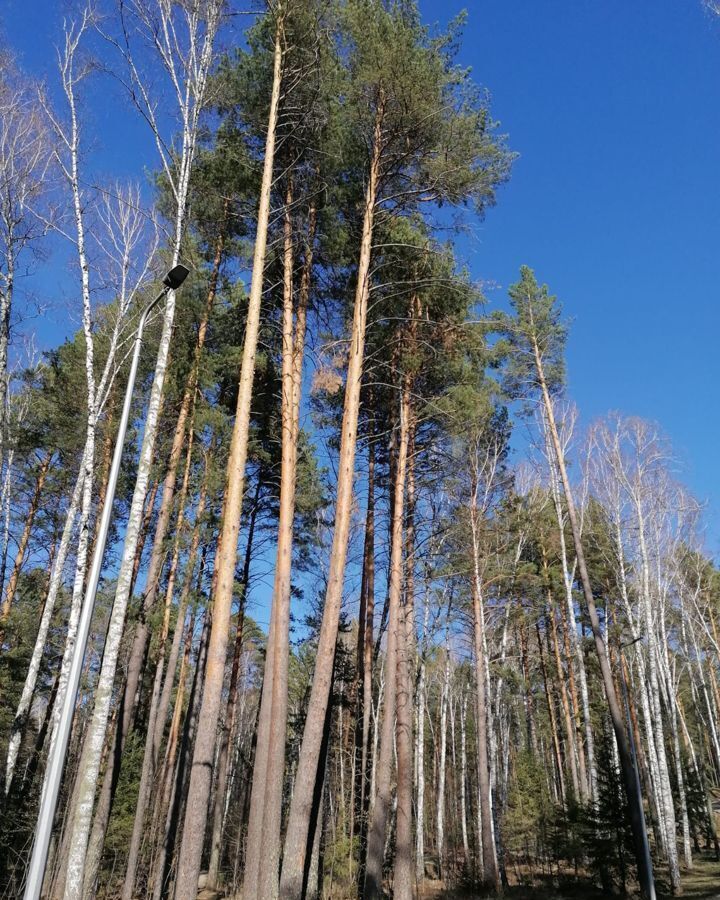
pixel 70 170
pixel 420 752
pixel 150 756
pixel 630 778
pixel 665 796
pixel 590 782
pixel 28 692
pixel 142 632
pixel 489 873
pixel 197 69
pixel 440 798
pixel 571 754
pixel 559 785
pixel 463 781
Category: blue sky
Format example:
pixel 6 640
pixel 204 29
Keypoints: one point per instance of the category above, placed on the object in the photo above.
pixel 614 108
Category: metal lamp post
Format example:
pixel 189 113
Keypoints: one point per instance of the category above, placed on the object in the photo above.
pixel 56 761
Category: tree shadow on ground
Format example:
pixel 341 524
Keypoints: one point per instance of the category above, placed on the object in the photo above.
pixel 702 882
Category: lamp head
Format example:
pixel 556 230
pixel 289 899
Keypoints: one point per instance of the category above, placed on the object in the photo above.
pixel 175 277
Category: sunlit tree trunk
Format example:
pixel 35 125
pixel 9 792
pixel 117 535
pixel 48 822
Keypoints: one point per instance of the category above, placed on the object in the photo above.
pixel 190 102
pixel 263 856
pixel 489 873
pixel 576 659
pixel 231 711
pixel 463 780
pixel 381 806
pixel 204 750
pixel 365 661
pixel 403 880
pixel 420 748
pixel 441 771
pixel 28 691
pixel 630 779
pixel 298 829
pixel 24 538
pixel 152 748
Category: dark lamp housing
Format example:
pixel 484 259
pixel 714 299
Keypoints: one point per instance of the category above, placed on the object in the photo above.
pixel 175 277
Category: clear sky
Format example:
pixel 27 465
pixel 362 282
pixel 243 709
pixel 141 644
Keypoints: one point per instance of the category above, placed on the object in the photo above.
pixel 614 108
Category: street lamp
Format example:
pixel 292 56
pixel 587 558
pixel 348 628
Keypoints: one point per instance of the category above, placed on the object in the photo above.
pixel 56 760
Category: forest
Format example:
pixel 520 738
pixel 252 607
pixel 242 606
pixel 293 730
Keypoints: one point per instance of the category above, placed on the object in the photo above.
pixel 360 606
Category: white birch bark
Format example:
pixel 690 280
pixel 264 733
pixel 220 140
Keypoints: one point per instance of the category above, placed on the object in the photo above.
pixel 28 692
pixel 24 158
pixel 188 68
pixel 575 645
pixel 463 778
pixel 420 748
pixel 68 159
pixel 440 807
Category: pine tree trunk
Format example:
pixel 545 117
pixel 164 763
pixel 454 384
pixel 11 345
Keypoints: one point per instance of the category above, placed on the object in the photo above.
pixel 167 780
pixel 204 750
pixel 395 641
pixel 229 721
pixel 262 864
pixel 365 662
pixel 630 776
pixel 403 881
pixel 24 540
pixel 298 829
pixel 180 775
pixel 489 874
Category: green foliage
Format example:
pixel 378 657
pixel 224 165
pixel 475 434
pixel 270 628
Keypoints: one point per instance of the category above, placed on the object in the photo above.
pixel 439 140
pixel 535 330
pixel 609 841
pixel 528 806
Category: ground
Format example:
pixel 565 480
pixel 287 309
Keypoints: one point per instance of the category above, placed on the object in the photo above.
pixel 702 882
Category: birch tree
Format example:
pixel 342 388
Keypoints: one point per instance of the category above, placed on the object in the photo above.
pixel 536 342
pixel 25 156
pixel 183 41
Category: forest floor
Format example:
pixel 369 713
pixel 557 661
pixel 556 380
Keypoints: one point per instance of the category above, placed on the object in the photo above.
pixel 702 882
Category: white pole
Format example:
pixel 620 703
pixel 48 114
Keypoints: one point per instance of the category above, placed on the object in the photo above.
pixel 56 762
